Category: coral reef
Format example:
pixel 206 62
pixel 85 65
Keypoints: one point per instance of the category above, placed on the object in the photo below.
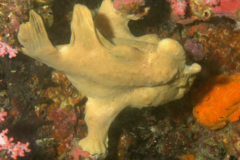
pixel 231 139
pixel 169 132
pixel 228 8
pixel 221 45
pixel 6 143
pixel 46 110
pixel 128 6
pixel 59 107
pixel 12 14
pixel 179 7
pixel 194 49
pixel 138 73
pixel 7 49
pixel 204 10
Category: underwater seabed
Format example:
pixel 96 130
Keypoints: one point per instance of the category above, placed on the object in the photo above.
pixel 39 106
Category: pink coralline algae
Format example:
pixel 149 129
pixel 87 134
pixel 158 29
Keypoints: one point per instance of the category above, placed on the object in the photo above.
pixel 227 8
pixel 118 4
pixel 194 49
pixel 211 2
pixel 204 10
pixel 76 152
pixel 7 49
pixel 179 7
pixel 2 115
pixel 63 122
pixel 13 12
pixel 13 148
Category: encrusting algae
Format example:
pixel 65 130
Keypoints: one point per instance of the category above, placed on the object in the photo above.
pixel 113 72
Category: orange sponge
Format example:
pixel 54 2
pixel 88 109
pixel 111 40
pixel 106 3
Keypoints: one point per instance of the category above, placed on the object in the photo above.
pixel 218 101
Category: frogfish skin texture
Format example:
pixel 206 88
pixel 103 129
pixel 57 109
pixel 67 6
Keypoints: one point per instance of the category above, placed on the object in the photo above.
pixel 110 66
